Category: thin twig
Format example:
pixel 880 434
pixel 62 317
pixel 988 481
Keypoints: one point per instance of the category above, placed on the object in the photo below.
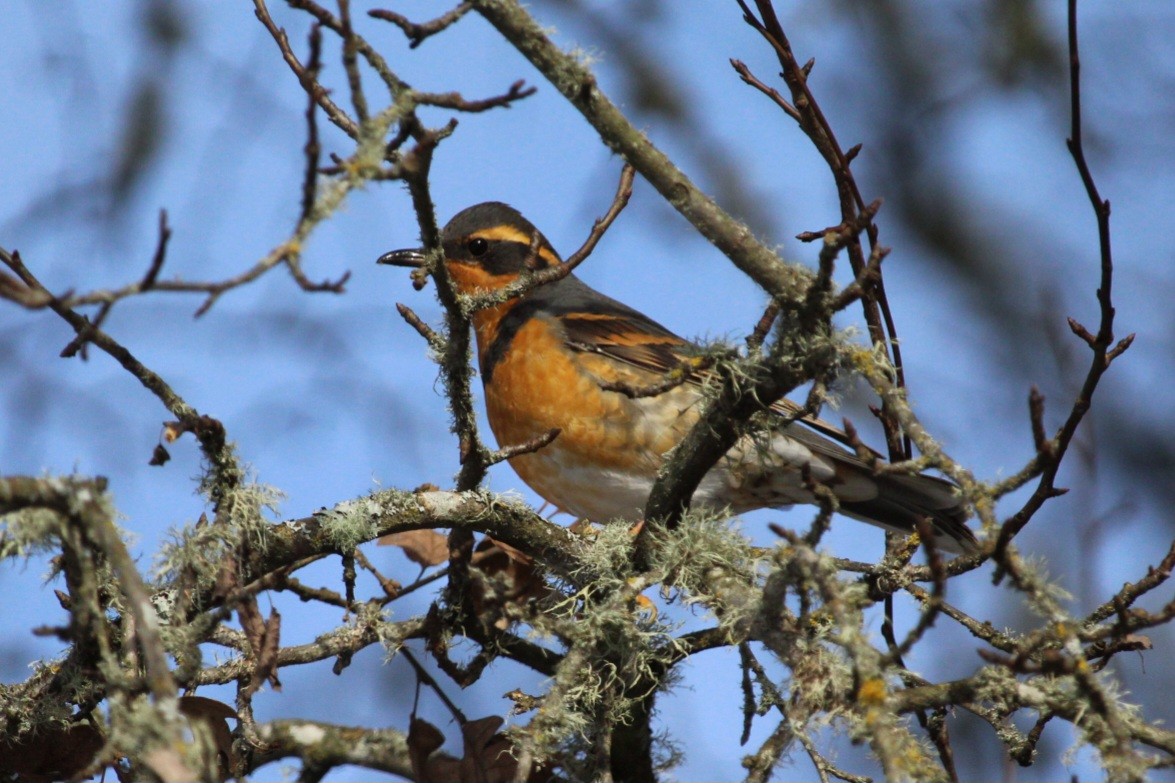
pixel 81 325
pixel 312 149
pixel 145 284
pixel 351 62
pixel 453 100
pixel 528 447
pixel 417 33
pixel 434 340
pixel 529 281
pixel 308 81
pixel 684 372
pixel 1099 344
pixel 578 84
pixel 763 326
pixel 805 110
pixel 745 74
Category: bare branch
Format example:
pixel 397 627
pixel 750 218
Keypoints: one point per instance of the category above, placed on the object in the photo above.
pixel 434 340
pixel 1099 344
pixel 452 100
pixel 351 62
pixel 312 149
pixel 528 282
pixel 579 86
pixel 529 447
pixel 306 78
pixel 686 371
pixel 763 326
pixel 854 211
pixel 418 33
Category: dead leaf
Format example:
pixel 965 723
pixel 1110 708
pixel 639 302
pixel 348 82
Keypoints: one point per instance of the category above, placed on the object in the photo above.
pixel 424 739
pixel 215 715
pixel 1136 641
pixel 251 623
pixel 58 753
pixel 487 754
pixel 265 641
pixel 517 555
pixel 424 547
pixel 203 707
pixel 226 578
pixel 511 578
pixel 267 661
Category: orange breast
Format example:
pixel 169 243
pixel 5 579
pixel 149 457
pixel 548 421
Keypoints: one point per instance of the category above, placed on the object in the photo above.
pixel 608 445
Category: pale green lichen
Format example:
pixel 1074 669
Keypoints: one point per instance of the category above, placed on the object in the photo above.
pixel 199 550
pixel 29 532
pixel 618 653
pixel 351 523
pixel 706 545
pixel 37 529
pixel 23 707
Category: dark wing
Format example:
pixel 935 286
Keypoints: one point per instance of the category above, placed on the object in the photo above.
pixel 600 324
pixel 636 341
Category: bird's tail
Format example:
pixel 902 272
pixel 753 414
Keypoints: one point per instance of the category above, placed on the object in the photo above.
pixel 902 500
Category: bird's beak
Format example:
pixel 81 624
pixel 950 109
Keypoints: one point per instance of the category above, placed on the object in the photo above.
pixel 412 257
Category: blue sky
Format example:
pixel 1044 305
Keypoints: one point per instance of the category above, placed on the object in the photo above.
pixel 329 397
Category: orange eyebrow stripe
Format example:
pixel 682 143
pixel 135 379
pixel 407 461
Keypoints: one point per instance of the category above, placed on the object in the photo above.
pixel 503 233
pixel 506 233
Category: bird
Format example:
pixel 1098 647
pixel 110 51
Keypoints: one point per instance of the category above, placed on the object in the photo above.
pixel 558 357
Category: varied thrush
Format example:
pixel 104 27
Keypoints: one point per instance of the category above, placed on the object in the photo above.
pixel 549 357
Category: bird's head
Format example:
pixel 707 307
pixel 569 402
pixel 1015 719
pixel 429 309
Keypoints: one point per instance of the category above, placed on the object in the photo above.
pixel 486 246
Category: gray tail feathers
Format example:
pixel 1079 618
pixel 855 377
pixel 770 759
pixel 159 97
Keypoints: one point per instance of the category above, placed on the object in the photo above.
pixel 902 500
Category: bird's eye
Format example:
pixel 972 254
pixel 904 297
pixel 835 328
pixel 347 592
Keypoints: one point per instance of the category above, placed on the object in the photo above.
pixel 478 247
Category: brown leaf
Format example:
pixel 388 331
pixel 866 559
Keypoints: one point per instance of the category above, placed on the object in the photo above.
pixel 510 578
pixel 57 753
pixel 517 555
pixel 208 709
pixel 488 754
pixel 159 456
pixel 423 547
pixel 1136 641
pixel 423 739
pixel 226 579
pixel 215 715
pixel 265 641
pixel 251 623
pixel 270 648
